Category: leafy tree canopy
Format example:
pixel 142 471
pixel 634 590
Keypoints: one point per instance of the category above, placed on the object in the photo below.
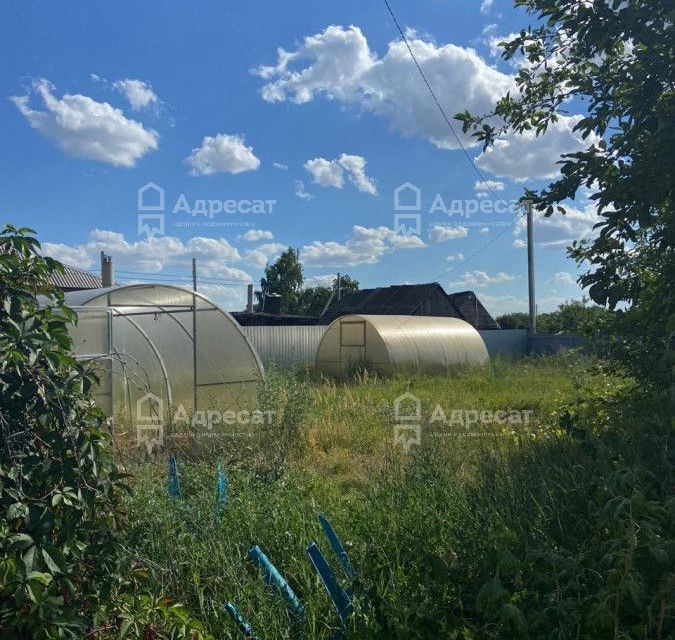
pixel 613 61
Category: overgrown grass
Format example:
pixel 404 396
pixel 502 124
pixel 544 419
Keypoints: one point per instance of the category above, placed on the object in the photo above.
pixel 501 536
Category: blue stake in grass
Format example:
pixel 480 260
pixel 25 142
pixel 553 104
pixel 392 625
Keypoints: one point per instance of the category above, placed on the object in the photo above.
pixel 273 578
pixel 341 600
pixel 173 483
pixel 337 547
pixel 221 490
pixel 244 627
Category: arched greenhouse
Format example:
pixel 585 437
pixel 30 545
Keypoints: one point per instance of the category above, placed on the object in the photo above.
pixel 163 348
pixel 386 343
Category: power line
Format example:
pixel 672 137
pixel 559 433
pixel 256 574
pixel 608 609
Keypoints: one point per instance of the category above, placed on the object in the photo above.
pixel 485 182
pixel 438 104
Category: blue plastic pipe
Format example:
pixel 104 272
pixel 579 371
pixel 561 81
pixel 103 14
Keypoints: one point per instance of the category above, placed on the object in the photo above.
pixel 337 547
pixel 244 627
pixel 341 600
pixel 273 578
pixel 221 490
pixel 173 481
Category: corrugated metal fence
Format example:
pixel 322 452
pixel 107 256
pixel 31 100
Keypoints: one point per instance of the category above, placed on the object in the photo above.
pixel 293 346
pixel 286 347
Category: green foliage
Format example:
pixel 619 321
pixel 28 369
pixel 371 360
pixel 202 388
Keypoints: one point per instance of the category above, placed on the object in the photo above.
pixel 285 278
pixel 614 59
pixel 515 320
pixel 61 493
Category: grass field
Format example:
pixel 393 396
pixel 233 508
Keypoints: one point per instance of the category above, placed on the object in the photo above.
pixel 440 537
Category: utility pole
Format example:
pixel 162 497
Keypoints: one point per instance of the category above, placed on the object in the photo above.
pixel 194 334
pixel 530 269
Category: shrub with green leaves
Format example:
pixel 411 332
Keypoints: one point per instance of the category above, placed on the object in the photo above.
pixel 61 572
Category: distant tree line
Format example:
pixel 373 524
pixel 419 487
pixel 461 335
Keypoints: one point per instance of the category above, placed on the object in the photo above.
pixel 574 316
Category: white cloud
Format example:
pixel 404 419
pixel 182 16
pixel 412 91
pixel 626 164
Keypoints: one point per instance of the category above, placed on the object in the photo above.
pixel 562 277
pixel 330 173
pixel 85 128
pixel 301 192
pixel 139 94
pixel 482 186
pixel 153 255
pixel 558 231
pixel 222 153
pixel 489 27
pixel 484 230
pixel 527 156
pixel 480 279
pixel 443 234
pixel 326 173
pixel 325 280
pixel 486 6
pixel 255 235
pixel 496 51
pixel 264 254
pixel 355 167
pixel 339 64
pixel 366 245
pixel 458 257
pixel 281 167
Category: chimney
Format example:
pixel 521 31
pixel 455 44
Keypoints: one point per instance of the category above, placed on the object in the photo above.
pixel 249 301
pixel 107 270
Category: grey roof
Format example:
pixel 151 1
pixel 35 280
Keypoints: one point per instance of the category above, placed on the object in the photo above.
pixel 405 299
pixel 74 279
pixel 398 299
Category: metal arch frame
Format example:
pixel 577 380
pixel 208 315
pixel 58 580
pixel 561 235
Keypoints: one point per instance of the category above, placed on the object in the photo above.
pixel 108 292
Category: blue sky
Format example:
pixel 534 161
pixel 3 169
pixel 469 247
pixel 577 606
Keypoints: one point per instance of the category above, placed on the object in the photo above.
pixel 315 106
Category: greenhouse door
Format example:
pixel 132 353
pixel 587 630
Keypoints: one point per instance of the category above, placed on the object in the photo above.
pixel 352 342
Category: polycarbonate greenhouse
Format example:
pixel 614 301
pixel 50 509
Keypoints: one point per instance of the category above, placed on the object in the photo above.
pixel 386 343
pixel 165 343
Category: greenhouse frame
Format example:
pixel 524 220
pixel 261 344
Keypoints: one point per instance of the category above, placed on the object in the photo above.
pixel 162 348
pixel 384 343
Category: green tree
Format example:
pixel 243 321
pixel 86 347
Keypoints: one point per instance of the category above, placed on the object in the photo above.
pixel 515 320
pixel 612 59
pixel 284 277
pixel 575 316
pixel 312 300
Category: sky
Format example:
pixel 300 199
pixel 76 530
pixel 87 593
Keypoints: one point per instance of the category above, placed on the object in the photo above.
pixel 228 131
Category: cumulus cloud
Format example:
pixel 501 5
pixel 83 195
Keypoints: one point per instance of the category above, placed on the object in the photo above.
pixel 562 277
pixel 331 173
pixel 264 254
pixel 557 231
pixel 526 156
pixel 482 187
pixel 439 233
pixel 255 235
pixel 139 94
pixel 301 192
pixel 500 304
pixel 339 64
pixel 85 128
pixel 222 153
pixel 281 167
pixel 457 257
pixel 324 280
pixel 481 279
pixel 152 255
pixel 365 245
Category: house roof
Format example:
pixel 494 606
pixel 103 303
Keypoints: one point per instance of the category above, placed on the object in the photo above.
pixel 470 308
pixel 398 299
pixel 74 279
